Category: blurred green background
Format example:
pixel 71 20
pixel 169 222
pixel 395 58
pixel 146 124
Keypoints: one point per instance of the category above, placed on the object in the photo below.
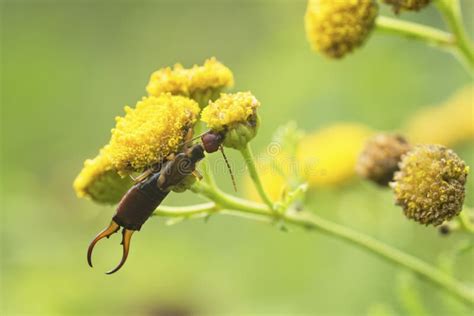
pixel 68 68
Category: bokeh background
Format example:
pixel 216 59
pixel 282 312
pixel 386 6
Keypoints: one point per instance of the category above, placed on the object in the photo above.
pixel 68 68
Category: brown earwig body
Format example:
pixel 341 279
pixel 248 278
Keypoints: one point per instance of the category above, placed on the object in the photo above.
pixel 143 198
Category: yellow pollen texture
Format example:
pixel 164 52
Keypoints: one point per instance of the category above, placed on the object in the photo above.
pixel 187 81
pixel 92 170
pixel 229 109
pixel 151 131
pixel 336 27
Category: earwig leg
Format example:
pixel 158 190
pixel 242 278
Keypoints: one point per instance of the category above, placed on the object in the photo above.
pixel 197 175
pixel 189 135
pixel 170 157
pixel 142 176
pixel 126 236
pixel 113 227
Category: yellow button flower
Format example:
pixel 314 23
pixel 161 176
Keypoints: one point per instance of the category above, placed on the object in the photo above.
pixel 328 157
pixel 173 80
pixel 155 128
pixel 335 28
pixel 449 124
pixel 430 186
pixel 202 83
pixel 100 182
pixel 235 115
pixel 229 109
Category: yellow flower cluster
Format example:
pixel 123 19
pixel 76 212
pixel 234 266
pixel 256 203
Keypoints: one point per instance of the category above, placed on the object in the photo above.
pixel 328 156
pixel 210 78
pixel 448 124
pixel 335 28
pixel 229 109
pixel 409 5
pixel 100 182
pixel 430 186
pixel 157 126
pixel 151 131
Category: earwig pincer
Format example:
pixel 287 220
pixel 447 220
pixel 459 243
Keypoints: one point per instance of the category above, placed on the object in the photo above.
pixel 138 204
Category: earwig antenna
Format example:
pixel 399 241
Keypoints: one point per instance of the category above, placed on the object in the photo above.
pixel 228 167
pixel 194 138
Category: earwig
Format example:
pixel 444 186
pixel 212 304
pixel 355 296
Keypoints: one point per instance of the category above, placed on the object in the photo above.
pixel 138 204
pixel 143 198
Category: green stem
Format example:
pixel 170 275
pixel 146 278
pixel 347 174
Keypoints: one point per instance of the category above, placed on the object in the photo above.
pixel 451 12
pixel 186 211
pixel 385 251
pixel 465 220
pixel 250 162
pixel 227 201
pixel 416 31
pixel 307 220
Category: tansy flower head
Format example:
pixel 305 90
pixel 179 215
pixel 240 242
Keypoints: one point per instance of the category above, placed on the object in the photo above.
pixel 100 182
pixel 380 157
pixel 336 27
pixel 328 156
pixel 430 184
pixel 409 5
pixel 234 115
pixel 448 124
pixel 202 83
pixel 151 131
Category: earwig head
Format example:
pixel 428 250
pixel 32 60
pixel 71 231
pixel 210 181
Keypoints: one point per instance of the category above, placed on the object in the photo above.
pixel 212 141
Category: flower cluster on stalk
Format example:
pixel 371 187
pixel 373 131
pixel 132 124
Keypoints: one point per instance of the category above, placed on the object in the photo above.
pixel 158 125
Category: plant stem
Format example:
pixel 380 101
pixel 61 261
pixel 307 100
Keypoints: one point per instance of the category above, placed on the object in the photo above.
pixel 416 31
pixel 451 12
pixel 250 162
pixel 227 201
pixel 240 207
pixel 185 211
pixel 465 220
pixel 385 251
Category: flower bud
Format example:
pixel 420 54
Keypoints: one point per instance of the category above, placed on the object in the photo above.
pixel 148 133
pixel 409 5
pixel 100 182
pixel 380 157
pixel 201 83
pixel 234 116
pixel 430 184
pixel 335 28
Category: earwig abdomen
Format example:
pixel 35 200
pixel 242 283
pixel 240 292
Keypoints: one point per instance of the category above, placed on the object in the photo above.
pixel 138 203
